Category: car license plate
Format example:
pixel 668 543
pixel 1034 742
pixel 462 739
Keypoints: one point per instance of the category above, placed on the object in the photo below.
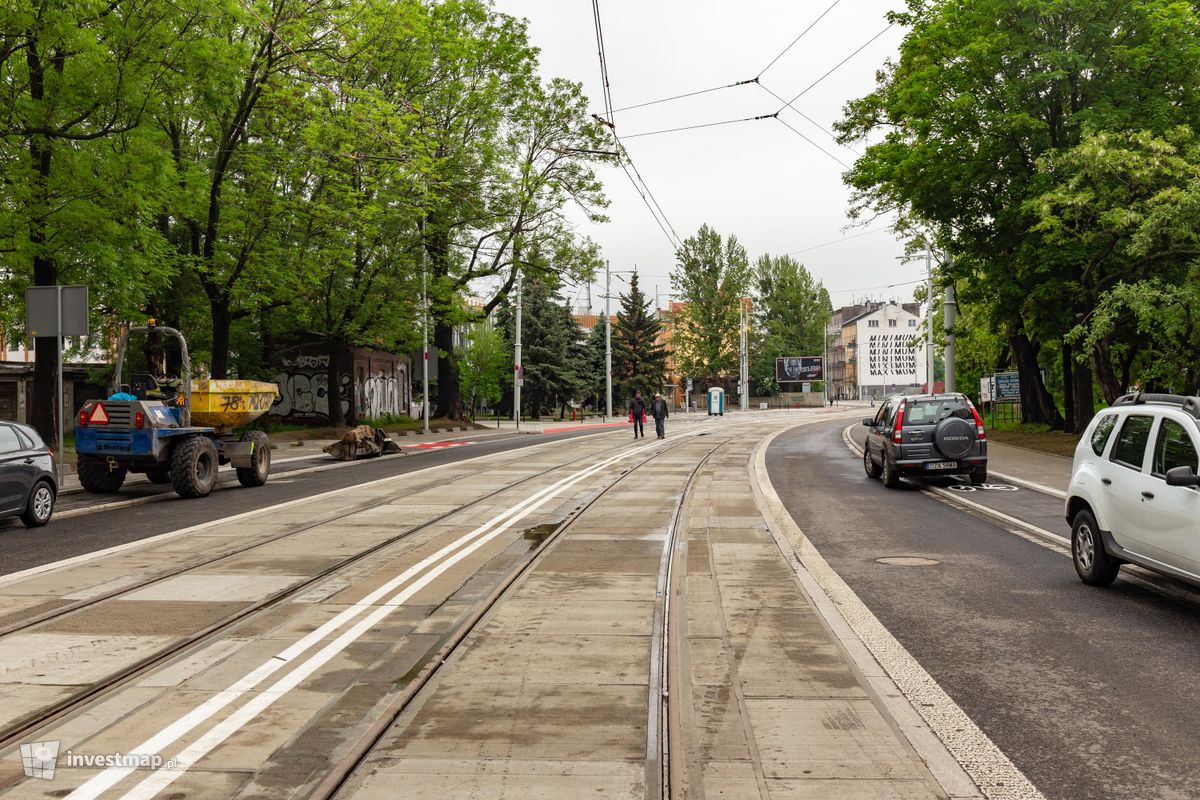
pixel 942 465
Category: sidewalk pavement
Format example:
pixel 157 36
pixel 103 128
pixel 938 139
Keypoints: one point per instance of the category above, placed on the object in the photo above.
pixel 1041 470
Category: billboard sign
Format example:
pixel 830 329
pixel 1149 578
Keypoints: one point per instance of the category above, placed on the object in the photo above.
pixel 1007 387
pixel 890 359
pixel 797 369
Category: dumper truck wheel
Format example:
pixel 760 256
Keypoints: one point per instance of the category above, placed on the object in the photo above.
pixel 95 476
pixel 260 461
pixel 194 467
pixel 159 474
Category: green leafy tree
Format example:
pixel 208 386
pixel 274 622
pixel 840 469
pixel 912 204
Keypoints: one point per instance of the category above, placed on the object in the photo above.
pixel 81 181
pixel 593 374
pixel 232 146
pixel 639 358
pixel 508 154
pixel 553 356
pixel 791 311
pixel 710 277
pixel 486 366
pixel 981 99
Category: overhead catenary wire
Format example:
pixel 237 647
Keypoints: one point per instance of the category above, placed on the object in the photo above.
pixel 624 159
pixel 701 125
pixel 810 120
pixel 832 242
pixel 838 66
pixel 871 288
pixel 685 94
pixel 803 33
pixel 810 141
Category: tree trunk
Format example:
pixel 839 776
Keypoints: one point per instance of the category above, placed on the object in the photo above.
pixel 1085 401
pixel 449 403
pixel 222 319
pixel 1110 385
pixel 1037 405
pixel 1068 371
pixel 334 373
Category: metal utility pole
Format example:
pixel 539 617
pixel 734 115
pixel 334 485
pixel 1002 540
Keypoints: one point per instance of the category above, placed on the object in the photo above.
pixel 607 341
pixel 929 359
pixel 517 371
pixel 744 359
pixel 950 307
pixel 825 367
pixel 424 341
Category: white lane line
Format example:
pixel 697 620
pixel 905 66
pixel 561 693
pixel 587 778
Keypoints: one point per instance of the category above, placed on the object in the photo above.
pixel 121 548
pixel 988 767
pixel 963 502
pixel 174 731
pixel 1037 487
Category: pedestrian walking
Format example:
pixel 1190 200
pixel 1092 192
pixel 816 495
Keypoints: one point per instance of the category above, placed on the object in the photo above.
pixel 658 410
pixel 637 414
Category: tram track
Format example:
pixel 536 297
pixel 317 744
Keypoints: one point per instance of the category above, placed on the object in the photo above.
pixel 658 765
pixel 14 732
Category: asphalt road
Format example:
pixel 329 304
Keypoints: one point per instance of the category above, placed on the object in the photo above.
pixel 22 548
pixel 1090 692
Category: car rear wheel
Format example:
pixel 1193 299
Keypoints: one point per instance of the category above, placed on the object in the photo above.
pixel 890 479
pixel 1093 563
pixel 979 476
pixel 872 469
pixel 41 506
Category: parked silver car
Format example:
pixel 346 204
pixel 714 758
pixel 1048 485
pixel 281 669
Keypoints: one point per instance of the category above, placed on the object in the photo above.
pixel 27 484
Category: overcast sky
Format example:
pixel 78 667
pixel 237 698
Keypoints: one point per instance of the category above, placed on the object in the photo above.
pixel 758 180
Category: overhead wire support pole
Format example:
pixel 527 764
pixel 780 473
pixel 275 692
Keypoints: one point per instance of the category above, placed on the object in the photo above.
pixel 608 411
pixel 518 370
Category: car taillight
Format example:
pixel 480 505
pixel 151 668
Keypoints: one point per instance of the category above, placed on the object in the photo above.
pixel 978 421
pixel 83 417
pixel 139 419
pixel 897 438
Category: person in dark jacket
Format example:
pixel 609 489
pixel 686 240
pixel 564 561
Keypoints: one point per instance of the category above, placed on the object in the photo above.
pixel 658 410
pixel 637 414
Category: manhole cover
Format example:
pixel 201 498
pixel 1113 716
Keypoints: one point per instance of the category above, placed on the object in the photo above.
pixel 907 561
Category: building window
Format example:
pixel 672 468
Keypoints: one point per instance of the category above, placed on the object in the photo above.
pixel 912 323
pixel 891 323
pixel 872 323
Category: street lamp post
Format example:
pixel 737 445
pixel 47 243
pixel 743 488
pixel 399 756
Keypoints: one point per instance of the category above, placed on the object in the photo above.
pixel 424 338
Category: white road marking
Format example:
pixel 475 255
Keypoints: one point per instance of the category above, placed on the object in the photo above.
pixel 447 557
pixel 988 767
pixel 121 548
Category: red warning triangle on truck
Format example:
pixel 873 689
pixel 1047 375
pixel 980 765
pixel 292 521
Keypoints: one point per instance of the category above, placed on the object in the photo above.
pixel 99 415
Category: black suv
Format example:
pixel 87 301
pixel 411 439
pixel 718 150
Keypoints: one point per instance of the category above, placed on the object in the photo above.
pixel 926 434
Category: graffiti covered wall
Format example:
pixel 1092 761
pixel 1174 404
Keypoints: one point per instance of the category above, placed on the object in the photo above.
pixel 376 386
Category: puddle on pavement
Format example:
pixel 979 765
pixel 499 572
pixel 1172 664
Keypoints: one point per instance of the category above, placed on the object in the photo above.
pixel 907 561
pixel 537 535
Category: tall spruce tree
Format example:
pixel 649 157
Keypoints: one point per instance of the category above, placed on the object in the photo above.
pixel 639 358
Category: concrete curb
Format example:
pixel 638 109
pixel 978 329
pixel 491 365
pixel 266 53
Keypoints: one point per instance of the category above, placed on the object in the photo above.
pixel 961 758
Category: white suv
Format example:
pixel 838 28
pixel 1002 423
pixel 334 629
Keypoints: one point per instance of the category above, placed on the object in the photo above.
pixel 1134 495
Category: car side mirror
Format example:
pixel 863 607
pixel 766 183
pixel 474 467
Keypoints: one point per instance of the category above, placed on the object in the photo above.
pixel 1182 476
pixel 868 423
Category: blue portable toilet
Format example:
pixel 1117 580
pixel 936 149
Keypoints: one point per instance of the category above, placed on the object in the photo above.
pixel 716 401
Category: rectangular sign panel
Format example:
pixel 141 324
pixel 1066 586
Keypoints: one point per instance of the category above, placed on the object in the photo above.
pixel 41 311
pixel 985 390
pixel 796 369
pixel 1007 387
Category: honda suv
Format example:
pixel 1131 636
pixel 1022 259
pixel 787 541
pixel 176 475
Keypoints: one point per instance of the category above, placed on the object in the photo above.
pixel 928 434
pixel 1134 495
